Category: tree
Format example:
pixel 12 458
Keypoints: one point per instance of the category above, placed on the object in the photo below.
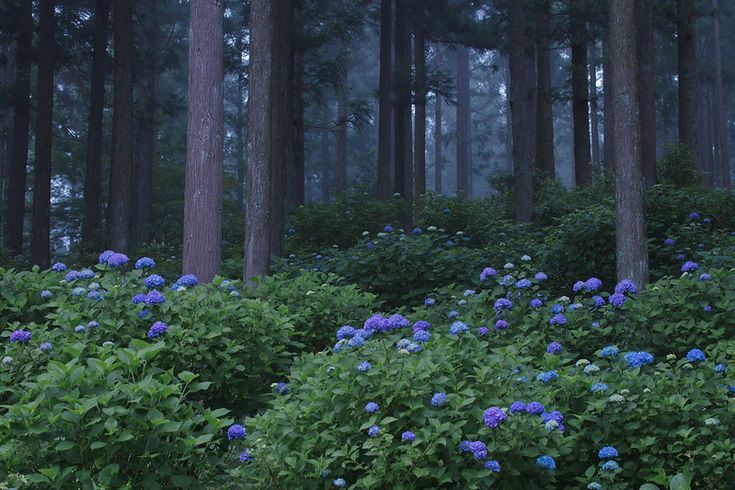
pixel 608 116
pixel 721 120
pixel 594 120
pixel 580 95
pixel 647 81
pixel 438 163
pixel 419 154
pixel 15 213
pixel 204 142
pixel 384 100
pixel 268 123
pixel 463 122
pixel 687 74
pixel 93 169
pixel 41 223
pixel 544 102
pixel 341 171
pixel 521 62
pixel 402 130
pixel 121 175
pixel 630 227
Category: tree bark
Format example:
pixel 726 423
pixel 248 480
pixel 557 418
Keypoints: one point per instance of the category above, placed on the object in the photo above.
pixel 121 175
pixel 607 102
pixel 438 158
pixel 324 149
pixel 403 141
pixel 341 170
pixel 240 142
pixel 580 95
pixel 522 89
pixel 384 101
pixel 419 173
pixel 15 212
pixel 204 141
pixel 41 224
pixel 544 105
pixel 268 129
pixel 687 74
pixel 630 226
pixel 594 120
pixel 299 158
pixel 721 121
pixel 463 122
pixel 647 82
pixel 93 170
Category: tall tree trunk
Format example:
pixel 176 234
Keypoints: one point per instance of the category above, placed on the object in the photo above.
pixel 580 96
pixel 607 102
pixel 240 143
pixel 324 150
pixel 630 226
pixel 687 74
pixel 419 173
pixel 146 147
pixel 299 158
pixel 522 89
pixel 121 175
pixel 93 170
pixel 705 126
pixel 204 141
pixel 384 100
pixel 41 224
pixel 647 82
pixel 508 117
pixel 544 103
pixel 721 121
pixel 15 213
pixel 269 122
pixel 594 120
pixel 463 121
pixel 438 158
pixel 403 141
pixel 341 170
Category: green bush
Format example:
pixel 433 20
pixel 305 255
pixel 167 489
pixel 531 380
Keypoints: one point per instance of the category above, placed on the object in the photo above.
pixel 678 167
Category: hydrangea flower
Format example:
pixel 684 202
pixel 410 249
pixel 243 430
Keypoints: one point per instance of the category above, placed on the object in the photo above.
pixel 610 351
pixel 493 417
pixel 117 260
pixel 540 276
pixel 592 284
pixel 694 216
pixel 339 482
pixel 591 369
pixel 547 376
pixel 720 368
pixel 705 277
pixel 95 295
pixel 154 281
pixel 71 276
pixel 86 274
pixel 364 367
pixel 503 304
pixel 139 298
pixel 438 399
pixel 492 465
pixel 517 407
pixel 154 297
pixel 594 486
pixel 554 348
pixel 245 456
pixel 553 420
pixel 282 388
pixel 185 281
pixel 617 300
pixel 598 301
pixel 689 266
pixel 478 450
pixel 422 336
pixel 463 446
pixel 523 284
pixel 578 286
pixel 637 359
pixel 158 329
pixel 377 323
pixel 46 294
pixel 707 308
pixel 536 303
pixel 483 331
pixel 373 431
pixel 546 462
pixel 398 321
pixel 469 292
pixel 598 387
pixel 21 336
pixel 145 263
pixel 429 301
pixel 610 466
pixel 93 324
pixel 608 452
pixel 345 331
pixel 78 291
pixel 58 267
pixel 556 308
pixel 408 436
pixel 236 431
pixel 501 325
pixel 626 286
pixel 387 228
pixel 356 341
pixel 105 255
pixel 509 266
pixel 558 319
pixel 46 346
pixel 696 355
pixel 421 325
pixel 669 242
pixel 372 407
pixel 458 327
pixel 535 408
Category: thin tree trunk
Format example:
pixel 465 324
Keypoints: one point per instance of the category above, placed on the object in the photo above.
pixel 647 76
pixel 419 173
pixel 324 149
pixel 299 159
pixel 594 120
pixel 122 129
pixel 438 158
pixel 93 170
pixel 580 96
pixel 463 121
pixel 341 170
pixel 146 147
pixel 240 142
pixel 544 103
pixel 687 74
pixel 522 90
pixel 630 226
pixel 41 224
pixel 268 129
pixel 384 101
pixel 15 213
pixel 705 126
pixel 508 117
pixel 719 97
pixel 204 142
pixel 608 115
pixel 403 144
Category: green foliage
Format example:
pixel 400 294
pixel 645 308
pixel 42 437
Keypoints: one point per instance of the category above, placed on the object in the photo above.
pixel 678 167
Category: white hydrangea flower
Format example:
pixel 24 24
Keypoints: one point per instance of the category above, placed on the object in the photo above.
pixel 509 266
pixel 526 258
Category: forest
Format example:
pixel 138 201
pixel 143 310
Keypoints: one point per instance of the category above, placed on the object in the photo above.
pixel 367 244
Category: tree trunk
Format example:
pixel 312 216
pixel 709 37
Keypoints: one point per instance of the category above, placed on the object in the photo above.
pixel 522 89
pixel 508 117
pixel 463 121
pixel 594 120
pixel 419 173
pixel 204 141
pixel 15 213
pixel 580 96
pixel 608 115
pixel 721 121
pixel 630 226
pixel 240 142
pixel 438 158
pixel 341 170
pixel 41 224
pixel 403 144
pixel 93 170
pixel 647 82
pixel 268 129
pixel 704 124
pixel 324 149
pixel 121 175
pixel 544 102
pixel 146 146
pixel 687 74
pixel 299 158
pixel 384 101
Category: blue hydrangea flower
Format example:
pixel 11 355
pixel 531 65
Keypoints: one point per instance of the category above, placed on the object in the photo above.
pixel 117 259
pixel 493 417
pixel 377 323
pixel 408 436
pixel 78 291
pixel 669 242
pixel 421 325
pixel 554 348
pixel 540 276
pixel 523 284
pixel 556 308
pixel 339 482
pixel 695 355
pixel 553 420
pixel 145 263
pixel 94 295
pixel 598 301
pixel 469 292
pixel 608 452
pixel 185 281
pixel 372 407
pixel 637 359
pixel 707 308
pixel 158 329
pixel 458 327
pixel 610 351
pixel 594 486
pixel 105 255
pixel 546 462
pixel 429 302
pixel 422 336
pixel 507 280
pixel 413 347
pixel 397 321
pixel 535 408
pixel 626 286
pixel 139 298
pixel 245 456
pixel 598 387
pixel 46 294
pixel 438 399
pixel 356 341
pixel 492 465
pixel 547 376
pixel 86 274
pixel 46 346
pixel 689 266
pixel 617 300
pixel 417 231
pixel 517 407
pixel 364 367
pixel 21 336
pixel 58 267
pixel 720 368
pixel 154 281
pixel 345 332
pixel 536 303
pixel 705 277
pixel 373 431
pixel 503 304
pixel 610 465
pixel 154 297
pixel 80 328
pixel 694 216
pixel 478 450
pixel 282 388
pixel 93 324
pixel 71 276
pixel 592 284
pixel 488 272
pixel 453 314
pixel 387 228
pixel 501 325
pixel 558 319
pixel 236 431
pixel 578 286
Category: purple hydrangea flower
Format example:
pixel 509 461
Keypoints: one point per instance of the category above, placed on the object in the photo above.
pixel 438 399
pixel 705 277
pixel 501 325
pixel 372 407
pixel 105 255
pixel 535 408
pixel 21 336
pixel 558 319
pixel 689 266
pixel 364 367
pixel 71 276
pixel 669 242
pixel 46 346
pixel 598 301
pixel 554 348
pixel 483 331
pixel 517 407
pixel 626 286
pixel 478 450
pixel 553 420
pixel 117 259
pixel 694 216
pixel 345 332
pixel 503 304
pixel 58 267
pixel 540 276
pixel 245 456
pixel 373 431
pixel 154 297
pixel 523 284
pixel 494 416
pixel 592 284
pixel 145 263
pixel 617 300
pixel 236 431
pixel 158 329
pixel 154 281
pixel 429 302
pixel 377 323
pixel 422 336
pixel 408 436
pixel 536 303
pixel 398 321
pixel 421 325
pixel 492 465
pixel 488 272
